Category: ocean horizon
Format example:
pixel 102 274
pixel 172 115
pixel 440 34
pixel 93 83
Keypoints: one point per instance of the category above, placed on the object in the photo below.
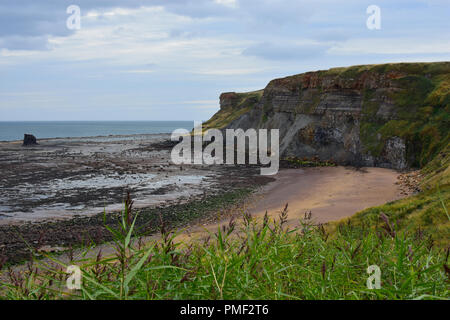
pixel 15 130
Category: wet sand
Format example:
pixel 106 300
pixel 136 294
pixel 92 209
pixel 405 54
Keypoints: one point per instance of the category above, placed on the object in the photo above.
pixel 330 193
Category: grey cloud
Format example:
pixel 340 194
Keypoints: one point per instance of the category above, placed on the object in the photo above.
pixel 39 18
pixel 26 24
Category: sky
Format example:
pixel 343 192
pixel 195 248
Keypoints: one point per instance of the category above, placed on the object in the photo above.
pixel 171 59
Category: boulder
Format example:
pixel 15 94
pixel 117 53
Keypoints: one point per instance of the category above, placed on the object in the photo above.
pixel 29 140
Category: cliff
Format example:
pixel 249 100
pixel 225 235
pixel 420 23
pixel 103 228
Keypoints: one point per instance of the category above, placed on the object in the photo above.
pixel 389 115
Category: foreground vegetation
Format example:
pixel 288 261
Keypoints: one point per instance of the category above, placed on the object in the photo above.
pixel 294 162
pixel 255 260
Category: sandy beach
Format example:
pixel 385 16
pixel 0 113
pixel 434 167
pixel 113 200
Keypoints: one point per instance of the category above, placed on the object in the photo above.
pixel 329 193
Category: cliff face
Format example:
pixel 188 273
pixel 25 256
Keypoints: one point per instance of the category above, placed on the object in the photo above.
pixel 392 115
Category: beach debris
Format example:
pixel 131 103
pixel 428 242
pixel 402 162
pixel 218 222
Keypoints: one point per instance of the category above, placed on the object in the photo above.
pixel 409 182
pixel 29 140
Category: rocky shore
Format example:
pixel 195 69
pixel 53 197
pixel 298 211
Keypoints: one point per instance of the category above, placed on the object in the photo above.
pixel 62 178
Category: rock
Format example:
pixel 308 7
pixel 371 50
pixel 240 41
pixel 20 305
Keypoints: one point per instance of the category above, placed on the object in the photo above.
pixel 347 115
pixel 228 99
pixel 29 140
pixel 395 152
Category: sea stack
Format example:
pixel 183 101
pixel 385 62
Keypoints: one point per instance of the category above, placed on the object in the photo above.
pixel 29 140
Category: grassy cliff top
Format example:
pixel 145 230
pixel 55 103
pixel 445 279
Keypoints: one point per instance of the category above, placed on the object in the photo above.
pixel 431 69
pixel 241 104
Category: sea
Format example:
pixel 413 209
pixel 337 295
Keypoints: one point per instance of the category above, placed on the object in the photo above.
pixel 12 130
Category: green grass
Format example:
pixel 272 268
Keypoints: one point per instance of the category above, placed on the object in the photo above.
pixel 263 260
pixel 437 171
pixel 306 162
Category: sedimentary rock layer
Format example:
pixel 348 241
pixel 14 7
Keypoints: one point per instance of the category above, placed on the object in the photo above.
pixel 391 115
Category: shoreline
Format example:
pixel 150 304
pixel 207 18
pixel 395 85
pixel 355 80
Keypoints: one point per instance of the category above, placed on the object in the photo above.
pixel 89 137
